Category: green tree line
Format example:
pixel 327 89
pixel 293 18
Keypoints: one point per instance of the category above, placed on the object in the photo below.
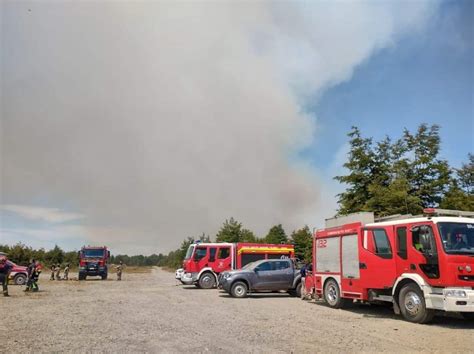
pixel 403 176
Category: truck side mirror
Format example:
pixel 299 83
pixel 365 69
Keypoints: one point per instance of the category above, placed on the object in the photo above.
pixel 256 270
pixel 108 254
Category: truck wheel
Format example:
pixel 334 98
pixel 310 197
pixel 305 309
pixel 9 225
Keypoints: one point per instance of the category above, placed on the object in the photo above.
pixel 82 276
pixel 332 294
pixel 239 289
pixel 468 315
pixel 207 281
pixel 19 279
pixel 297 291
pixel 104 277
pixel 412 305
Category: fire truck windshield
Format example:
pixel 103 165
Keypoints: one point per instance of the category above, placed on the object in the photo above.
pixel 93 253
pixel 458 238
pixel 189 253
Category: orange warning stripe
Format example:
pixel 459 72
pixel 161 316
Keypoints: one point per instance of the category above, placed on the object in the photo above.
pixel 265 250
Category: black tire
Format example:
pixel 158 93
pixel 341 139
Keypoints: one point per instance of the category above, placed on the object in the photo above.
pixel 19 279
pixel 412 305
pixel 297 291
pixel 104 277
pixel 239 289
pixel 468 315
pixel 207 281
pixel 332 295
pixel 82 276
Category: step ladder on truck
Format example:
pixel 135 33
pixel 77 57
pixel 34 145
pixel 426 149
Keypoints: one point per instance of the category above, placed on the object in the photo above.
pixel 420 264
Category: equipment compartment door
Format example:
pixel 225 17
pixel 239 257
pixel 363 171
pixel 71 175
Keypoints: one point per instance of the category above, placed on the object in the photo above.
pixel 350 266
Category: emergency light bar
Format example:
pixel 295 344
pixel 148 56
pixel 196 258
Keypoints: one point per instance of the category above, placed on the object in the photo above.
pixel 447 212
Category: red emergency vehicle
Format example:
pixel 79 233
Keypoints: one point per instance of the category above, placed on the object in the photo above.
pixel 419 263
pixel 205 261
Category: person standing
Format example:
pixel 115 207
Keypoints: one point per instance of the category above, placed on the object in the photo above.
pixel 66 272
pixel 303 280
pixel 35 276
pixel 119 270
pixel 58 271
pixel 30 273
pixel 53 271
pixel 5 269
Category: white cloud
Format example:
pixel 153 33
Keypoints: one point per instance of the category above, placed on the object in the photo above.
pixel 50 215
pixel 165 118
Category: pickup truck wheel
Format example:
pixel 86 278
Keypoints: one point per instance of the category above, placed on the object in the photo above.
pixel 239 289
pixel 19 279
pixel 412 305
pixel 297 291
pixel 332 294
pixel 82 276
pixel 104 277
pixel 207 281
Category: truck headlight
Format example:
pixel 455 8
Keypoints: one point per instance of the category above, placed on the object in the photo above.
pixel 227 275
pixel 455 293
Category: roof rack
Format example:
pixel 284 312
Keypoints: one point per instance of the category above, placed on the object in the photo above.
pixel 448 212
pixel 394 217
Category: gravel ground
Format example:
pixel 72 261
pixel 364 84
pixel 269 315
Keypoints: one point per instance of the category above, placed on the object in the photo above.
pixel 147 312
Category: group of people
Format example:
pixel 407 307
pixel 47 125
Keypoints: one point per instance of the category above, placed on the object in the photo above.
pixel 56 272
pixel 34 271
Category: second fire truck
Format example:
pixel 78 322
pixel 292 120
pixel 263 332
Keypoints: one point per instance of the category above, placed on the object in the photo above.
pixel 420 264
pixel 205 261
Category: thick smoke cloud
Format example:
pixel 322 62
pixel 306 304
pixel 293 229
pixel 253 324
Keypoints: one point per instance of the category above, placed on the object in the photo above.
pixel 158 120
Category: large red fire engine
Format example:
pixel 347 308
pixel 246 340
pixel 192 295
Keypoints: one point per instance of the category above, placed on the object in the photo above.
pixel 205 261
pixel 419 263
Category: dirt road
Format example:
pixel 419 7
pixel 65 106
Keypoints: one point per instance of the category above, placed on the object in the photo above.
pixel 148 313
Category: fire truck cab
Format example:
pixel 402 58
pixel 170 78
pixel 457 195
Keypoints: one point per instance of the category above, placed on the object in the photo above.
pixel 421 264
pixel 205 261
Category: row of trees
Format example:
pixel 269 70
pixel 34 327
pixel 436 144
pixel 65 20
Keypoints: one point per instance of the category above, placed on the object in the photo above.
pixel 403 176
pixel 21 254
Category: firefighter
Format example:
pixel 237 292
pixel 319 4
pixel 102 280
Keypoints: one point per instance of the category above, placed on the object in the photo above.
pixel 5 269
pixel 53 271
pixel 66 272
pixel 58 271
pixel 31 269
pixel 35 276
pixel 119 270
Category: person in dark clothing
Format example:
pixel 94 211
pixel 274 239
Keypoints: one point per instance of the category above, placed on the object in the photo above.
pixel 5 269
pixel 31 271
pixel 303 280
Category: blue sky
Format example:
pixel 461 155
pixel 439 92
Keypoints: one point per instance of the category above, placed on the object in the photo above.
pixel 422 78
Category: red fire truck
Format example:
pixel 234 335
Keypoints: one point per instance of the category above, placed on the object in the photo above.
pixel 205 261
pixel 421 264
pixel 93 262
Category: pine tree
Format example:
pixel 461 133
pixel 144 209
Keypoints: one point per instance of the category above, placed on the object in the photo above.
pixel 230 231
pixel 302 239
pixel 276 235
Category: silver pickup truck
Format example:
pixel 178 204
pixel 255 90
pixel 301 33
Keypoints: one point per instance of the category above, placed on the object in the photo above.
pixel 262 276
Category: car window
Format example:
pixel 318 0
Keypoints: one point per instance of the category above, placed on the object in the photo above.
pixel 282 265
pixel 265 266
